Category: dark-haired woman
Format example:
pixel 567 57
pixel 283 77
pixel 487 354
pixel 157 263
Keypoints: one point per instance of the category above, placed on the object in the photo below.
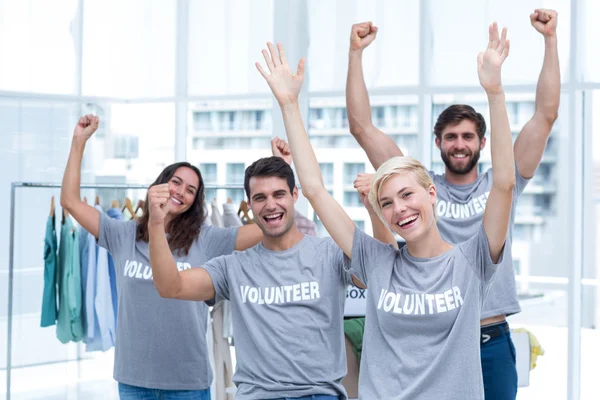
pixel 160 345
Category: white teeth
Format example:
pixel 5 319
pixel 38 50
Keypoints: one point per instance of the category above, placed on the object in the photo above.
pixel 175 201
pixel 460 155
pixel 407 220
pixel 273 216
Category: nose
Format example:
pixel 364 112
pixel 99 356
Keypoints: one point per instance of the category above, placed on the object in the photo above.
pixel 399 207
pixel 460 143
pixel 177 190
pixel 270 203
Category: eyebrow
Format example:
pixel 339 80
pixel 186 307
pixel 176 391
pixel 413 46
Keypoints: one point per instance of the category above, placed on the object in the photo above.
pixel 462 133
pixel 192 186
pixel 399 192
pixel 278 191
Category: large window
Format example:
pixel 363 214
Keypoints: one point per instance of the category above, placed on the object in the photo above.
pixel 133 55
pixel 468 20
pixel 38 46
pixel 590 317
pixel 175 80
pixel 392 60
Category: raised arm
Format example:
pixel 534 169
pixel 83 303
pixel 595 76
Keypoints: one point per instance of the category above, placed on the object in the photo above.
pixel 190 284
pixel 497 211
pixel 531 142
pixel 378 146
pixel 70 197
pixel 286 87
pixel 380 231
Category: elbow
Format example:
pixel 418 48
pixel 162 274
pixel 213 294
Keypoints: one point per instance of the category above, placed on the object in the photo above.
pixel 164 292
pixel 167 290
pixel 311 189
pixel 67 202
pixel 506 184
pixel 552 116
pixel 356 128
pixel 549 115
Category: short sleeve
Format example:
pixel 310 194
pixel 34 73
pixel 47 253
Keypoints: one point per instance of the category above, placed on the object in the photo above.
pixel 336 258
pixel 477 251
pixel 521 182
pixel 217 270
pixel 368 254
pixel 218 241
pixel 114 233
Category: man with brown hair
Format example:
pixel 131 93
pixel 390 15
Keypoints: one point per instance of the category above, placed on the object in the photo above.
pixel 461 191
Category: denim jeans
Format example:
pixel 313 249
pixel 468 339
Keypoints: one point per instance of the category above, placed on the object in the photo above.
pixel 498 363
pixel 128 392
pixel 312 397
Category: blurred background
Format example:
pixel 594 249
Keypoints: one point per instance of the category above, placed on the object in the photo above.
pixel 175 80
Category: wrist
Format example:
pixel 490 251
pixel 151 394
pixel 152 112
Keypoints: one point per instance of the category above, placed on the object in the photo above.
pixel 495 93
pixel 550 39
pixel 290 105
pixel 156 225
pixel 355 53
pixel 79 141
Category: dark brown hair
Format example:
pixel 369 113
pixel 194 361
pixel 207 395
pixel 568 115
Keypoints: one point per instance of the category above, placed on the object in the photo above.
pixel 269 166
pixel 184 228
pixel 454 115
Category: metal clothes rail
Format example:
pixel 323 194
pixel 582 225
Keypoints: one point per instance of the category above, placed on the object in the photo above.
pixel 30 185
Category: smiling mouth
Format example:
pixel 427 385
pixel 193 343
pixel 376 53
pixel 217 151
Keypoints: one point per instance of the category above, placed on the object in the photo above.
pixel 273 219
pixel 175 201
pixel 408 221
pixel 459 156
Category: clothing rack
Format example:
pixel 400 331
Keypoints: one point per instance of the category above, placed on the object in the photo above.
pixel 29 185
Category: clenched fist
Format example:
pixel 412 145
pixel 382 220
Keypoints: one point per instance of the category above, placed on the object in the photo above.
pixel 86 126
pixel 363 184
pixel 544 21
pixel 362 35
pixel 159 197
pixel 280 148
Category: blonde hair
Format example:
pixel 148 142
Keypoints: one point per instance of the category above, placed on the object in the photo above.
pixel 393 166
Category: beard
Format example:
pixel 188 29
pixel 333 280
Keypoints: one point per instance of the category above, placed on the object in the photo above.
pixel 461 170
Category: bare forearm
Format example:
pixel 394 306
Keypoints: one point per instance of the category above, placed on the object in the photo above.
pixel 307 166
pixel 357 96
pixel 70 191
pixel 164 270
pixel 547 95
pixel 380 231
pixel 503 162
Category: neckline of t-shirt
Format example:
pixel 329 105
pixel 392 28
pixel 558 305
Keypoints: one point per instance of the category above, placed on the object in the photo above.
pixel 295 247
pixel 466 185
pixel 421 259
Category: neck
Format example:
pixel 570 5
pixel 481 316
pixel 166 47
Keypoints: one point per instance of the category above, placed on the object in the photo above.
pixel 285 241
pixel 461 179
pixel 431 245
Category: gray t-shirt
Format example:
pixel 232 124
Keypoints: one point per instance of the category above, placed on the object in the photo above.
pixel 422 320
pixel 161 343
pixel 460 214
pixel 288 310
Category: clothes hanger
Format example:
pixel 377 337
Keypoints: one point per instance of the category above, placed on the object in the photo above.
pixel 52 206
pixel 243 213
pixel 140 204
pixel 65 215
pixel 129 207
pixel 229 201
pixel 97 200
